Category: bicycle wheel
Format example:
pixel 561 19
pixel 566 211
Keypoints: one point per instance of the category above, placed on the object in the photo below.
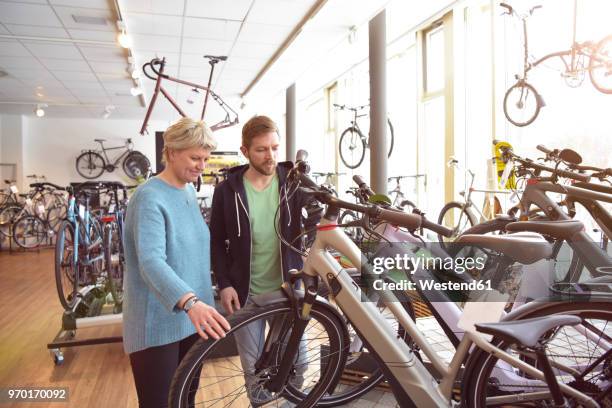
pixel 352 147
pixel 136 165
pixel 90 165
pixel 354 233
pixel 575 347
pixel 65 269
pixel 522 104
pixel 114 262
pixel 29 231
pixel 600 66
pixel 408 206
pixel 212 374
pixel 390 137
pixel 8 216
pixel 453 215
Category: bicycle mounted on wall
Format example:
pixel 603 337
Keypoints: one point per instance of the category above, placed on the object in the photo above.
pixel 157 66
pixel 522 102
pixel 91 164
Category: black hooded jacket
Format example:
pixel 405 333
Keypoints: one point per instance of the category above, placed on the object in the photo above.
pixel 231 230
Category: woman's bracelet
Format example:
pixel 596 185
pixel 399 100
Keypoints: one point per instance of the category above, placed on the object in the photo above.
pixel 190 303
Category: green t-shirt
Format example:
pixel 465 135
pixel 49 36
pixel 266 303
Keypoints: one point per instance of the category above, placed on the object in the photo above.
pixel 266 274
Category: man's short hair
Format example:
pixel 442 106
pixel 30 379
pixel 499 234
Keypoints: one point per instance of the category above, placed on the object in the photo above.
pixel 256 126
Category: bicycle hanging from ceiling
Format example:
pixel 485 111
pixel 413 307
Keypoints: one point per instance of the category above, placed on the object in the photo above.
pixel 157 66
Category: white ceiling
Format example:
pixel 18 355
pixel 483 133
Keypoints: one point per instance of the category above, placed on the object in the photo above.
pixel 77 68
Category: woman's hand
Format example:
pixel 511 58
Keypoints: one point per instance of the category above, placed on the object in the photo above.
pixel 229 300
pixel 208 321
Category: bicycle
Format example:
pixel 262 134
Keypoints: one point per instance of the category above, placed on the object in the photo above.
pixel 157 66
pixel 90 164
pixel 79 255
pixel 40 216
pixel 114 257
pixel 289 312
pixel 522 102
pixel 329 181
pixel 353 143
pixel 463 215
pixel 399 199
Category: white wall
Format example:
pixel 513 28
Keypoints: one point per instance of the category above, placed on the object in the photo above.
pixel 11 150
pixel 50 146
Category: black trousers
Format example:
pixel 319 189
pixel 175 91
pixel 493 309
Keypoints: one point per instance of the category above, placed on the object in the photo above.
pixel 153 369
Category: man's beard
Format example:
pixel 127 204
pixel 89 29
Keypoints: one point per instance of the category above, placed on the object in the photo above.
pixel 263 170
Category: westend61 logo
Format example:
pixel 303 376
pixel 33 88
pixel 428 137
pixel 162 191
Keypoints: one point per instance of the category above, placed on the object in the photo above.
pixel 408 263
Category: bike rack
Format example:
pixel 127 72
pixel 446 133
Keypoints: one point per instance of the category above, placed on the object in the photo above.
pixel 72 321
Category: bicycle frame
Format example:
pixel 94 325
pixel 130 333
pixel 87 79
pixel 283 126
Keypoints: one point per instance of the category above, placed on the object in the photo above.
pixel 411 382
pixel 535 194
pixel 226 122
pixel 118 159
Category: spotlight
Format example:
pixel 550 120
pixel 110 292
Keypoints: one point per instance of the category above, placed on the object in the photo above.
pixel 107 111
pixel 135 91
pixel 40 109
pixel 123 38
pixel 193 96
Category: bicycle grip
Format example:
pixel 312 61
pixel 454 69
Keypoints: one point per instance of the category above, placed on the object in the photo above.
pixel 362 184
pixel 543 149
pixel 440 229
pixel 400 218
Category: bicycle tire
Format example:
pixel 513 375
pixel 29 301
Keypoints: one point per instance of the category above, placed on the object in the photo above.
pixel 136 165
pixel 408 206
pixel 232 385
pixel 458 229
pixel 390 137
pixel 602 54
pixel 354 233
pixel 8 216
pixel 353 139
pixel 91 161
pixel 66 276
pixel 521 87
pixel 29 231
pixel 480 364
pixel 114 263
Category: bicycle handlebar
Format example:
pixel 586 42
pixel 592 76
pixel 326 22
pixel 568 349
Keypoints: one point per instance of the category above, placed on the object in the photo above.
pixel 44 184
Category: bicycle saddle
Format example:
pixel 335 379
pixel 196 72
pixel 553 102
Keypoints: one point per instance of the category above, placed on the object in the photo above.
pixel 216 58
pixel 99 140
pixel 562 229
pixel 522 248
pixel 527 331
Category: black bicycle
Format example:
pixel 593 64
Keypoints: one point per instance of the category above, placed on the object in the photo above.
pixel 353 143
pixel 522 102
pixel 91 163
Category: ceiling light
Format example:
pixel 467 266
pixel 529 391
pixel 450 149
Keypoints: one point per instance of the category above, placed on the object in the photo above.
pixel 123 38
pixel 107 111
pixel 135 91
pixel 40 111
pixel 193 95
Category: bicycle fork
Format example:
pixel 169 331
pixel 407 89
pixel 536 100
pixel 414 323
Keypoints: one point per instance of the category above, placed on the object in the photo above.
pixel 298 326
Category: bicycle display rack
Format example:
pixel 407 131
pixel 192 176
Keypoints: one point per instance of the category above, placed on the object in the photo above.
pixel 88 312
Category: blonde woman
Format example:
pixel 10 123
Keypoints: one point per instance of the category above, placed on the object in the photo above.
pixel 168 300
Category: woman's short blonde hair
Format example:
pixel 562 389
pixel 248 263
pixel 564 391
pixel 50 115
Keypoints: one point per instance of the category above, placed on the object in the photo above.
pixel 185 134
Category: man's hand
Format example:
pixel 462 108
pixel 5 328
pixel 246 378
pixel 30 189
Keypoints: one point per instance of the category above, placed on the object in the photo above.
pixel 229 300
pixel 208 321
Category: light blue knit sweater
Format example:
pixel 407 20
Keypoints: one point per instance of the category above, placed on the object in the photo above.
pixel 167 254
